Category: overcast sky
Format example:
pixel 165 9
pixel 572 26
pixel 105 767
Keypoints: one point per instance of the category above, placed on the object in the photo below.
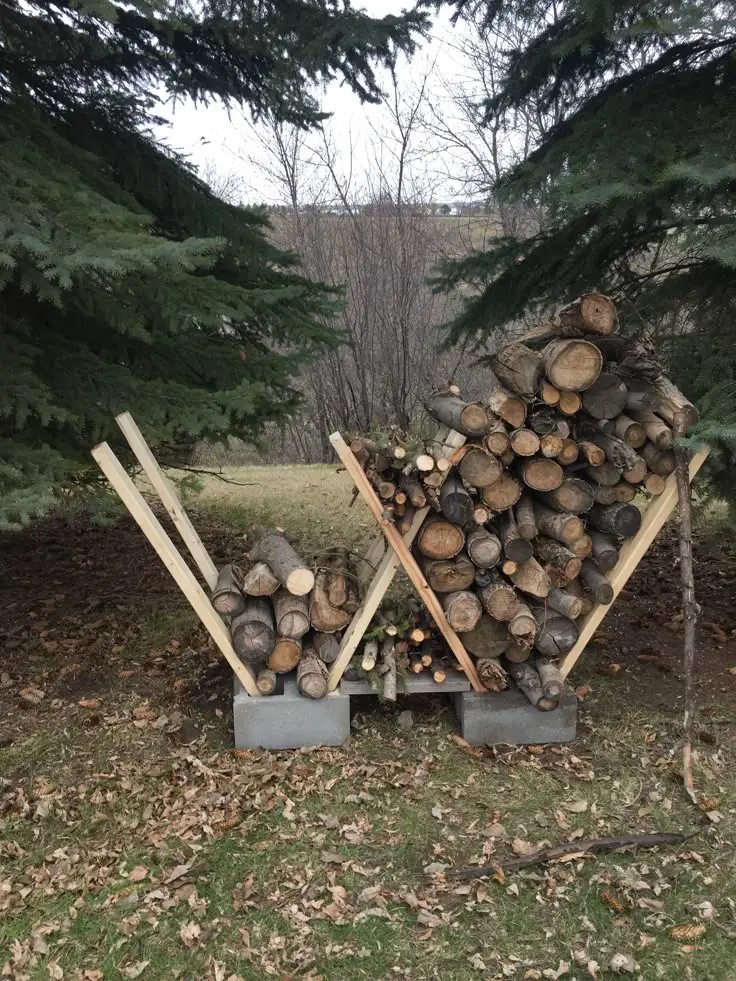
pixel 223 145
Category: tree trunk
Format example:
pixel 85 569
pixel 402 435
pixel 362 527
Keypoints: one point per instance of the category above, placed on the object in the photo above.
pixel 657 431
pixel 326 646
pixel 556 635
pixel 499 599
pixel 253 631
pixel 311 675
pixel 605 552
pixel 525 520
pixel 483 548
pixel 637 473
pixel 606 474
pixel 273 549
pixel 492 675
pixel 518 368
pixel 541 474
pixel 505 405
pixel 292 614
pixel 559 556
pixel 606 399
pixel 479 468
pixel 565 603
pixel 523 626
pixel 594 455
pixel 565 528
pixel 489 638
pixel 575 496
pixel 467 418
pixel 449 575
pixel 524 442
pixel 630 431
pixel 531 578
pixel 661 462
pixel 226 597
pixel 572 365
pixel 570 403
pixel 503 494
pixel 596 582
pixel 669 401
pixel 462 609
pixel 439 538
pixel 260 581
pixel 457 504
pixel 622 520
pixel 266 681
pixel 515 547
pixel 553 683
pixel 325 617
pixel 497 439
pixel 527 680
pixel 286 654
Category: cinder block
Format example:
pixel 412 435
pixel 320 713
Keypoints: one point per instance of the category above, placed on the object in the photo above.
pixel 507 717
pixel 289 721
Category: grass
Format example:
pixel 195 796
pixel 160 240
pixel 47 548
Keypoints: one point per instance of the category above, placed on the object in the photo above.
pixel 318 864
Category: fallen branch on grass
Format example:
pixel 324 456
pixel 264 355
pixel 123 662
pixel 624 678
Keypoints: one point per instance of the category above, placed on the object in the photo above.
pixel 575 849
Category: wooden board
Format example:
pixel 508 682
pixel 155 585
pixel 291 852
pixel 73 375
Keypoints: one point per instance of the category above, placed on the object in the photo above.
pixel 165 490
pixel 412 684
pixel 630 556
pixel 394 539
pixel 167 552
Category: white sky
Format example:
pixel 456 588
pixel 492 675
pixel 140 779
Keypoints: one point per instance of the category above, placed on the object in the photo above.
pixel 222 144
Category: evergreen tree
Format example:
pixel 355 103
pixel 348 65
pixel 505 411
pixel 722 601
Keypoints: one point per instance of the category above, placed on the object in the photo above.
pixel 635 175
pixel 124 283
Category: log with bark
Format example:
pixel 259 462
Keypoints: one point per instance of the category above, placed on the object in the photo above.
pixel 606 398
pixel 556 634
pixel 253 631
pixel 525 519
pixel 596 583
pixel 519 368
pixel 574 496
pixel 572 365
pixel 553 683
pixel 462 609
pixel 505 405
pixel 323 616
pixel 558 556
pixel 565 528
pixel 499 598
pixel 489 638
pixel 621 520
pixel 283 561
pixel 515 548
pixel 456 503
pixel 227 598
pixel 605 552
pixel 531 578
pixel 524 442
pixel 479 467
pixel 502 494
pixel 540 474
pixel 483 547
pixel 286 654
pixel 449 575
pixel 439 538
pixel 260 581
pixel 468 418
pixel 311 675
pixel 492 674
pixel 527 680
pixel 291 613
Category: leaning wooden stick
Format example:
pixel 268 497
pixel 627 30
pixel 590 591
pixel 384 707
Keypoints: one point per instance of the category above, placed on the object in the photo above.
pixel 167 552
pixel 165 490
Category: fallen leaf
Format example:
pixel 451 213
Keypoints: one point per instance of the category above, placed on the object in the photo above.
pixel 496 830
pixel 438 811
pixel 688 931
pixel 691 948
pixel 434 867
pixel 562 968
pixel 138 874
pixel 477 963
pixel 332 858
pixel 656 905
pixel 646 940
pixel 55 972
pixel 32 696
pixel 614 669
pixel 623 962
pixel 715 817
pixel 135 970
pixel 189 934
pixel 176 873
pixel 93 976
pixel 582 690
pixel 576 806
pixel 90 703
pixel 732 670
pixel 523 848
pixel 425 918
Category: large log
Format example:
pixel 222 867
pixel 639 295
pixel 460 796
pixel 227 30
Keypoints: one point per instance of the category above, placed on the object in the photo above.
pixel 260 581
pixel 504 493
pixel 496 439
pixel 462 609
pixel 606 398
pixel 439 538
pixel 553 683
pixel 596 582
pixel 291 613
pixel 489 638
pixel 457 505
pixel 556 635
pixel 449 575
pixel 557 555
pixel 226 597
pixel 527 681
pixel 467 418
pixel 565 528
pixel 491 674
pixel 572 365
pixel 499 598
pixel 630 431
pixel 661 462
pixel 622 520
pixel 483 547
pixel 593 313
pixel 505 405
pixel 605 552
pixel 253 631
pixel 515 547
pixel 479 468
pixel 524 442
pixel 541 474
pixel 531 578
pixel 522 627
pixel 273 549
pixel 655 428
pixel 311 675
pixel 564 602
pixel 519 368
pixel 669 400
pixel 286 654
pixel 325 617
pixel 573 495
pixel 525 520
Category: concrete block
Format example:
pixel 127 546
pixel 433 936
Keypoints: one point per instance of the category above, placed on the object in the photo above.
pixel 289 721
pixel 507 717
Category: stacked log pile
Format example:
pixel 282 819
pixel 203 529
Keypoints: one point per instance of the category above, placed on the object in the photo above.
pixel 528 517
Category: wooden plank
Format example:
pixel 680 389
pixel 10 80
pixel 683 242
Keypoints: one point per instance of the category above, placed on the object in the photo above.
pixel 408 561
pixel 169 498
pixel 630 556
pixel 167 552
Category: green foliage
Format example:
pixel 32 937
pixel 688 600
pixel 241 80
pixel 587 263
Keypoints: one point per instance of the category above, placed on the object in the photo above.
pixel 125 283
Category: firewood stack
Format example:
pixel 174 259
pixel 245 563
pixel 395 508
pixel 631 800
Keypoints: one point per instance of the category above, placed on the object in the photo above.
pixel 528 517
pixel 284 615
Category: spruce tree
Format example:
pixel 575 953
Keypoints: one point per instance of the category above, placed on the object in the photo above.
pixel 124 282
pixel 635 176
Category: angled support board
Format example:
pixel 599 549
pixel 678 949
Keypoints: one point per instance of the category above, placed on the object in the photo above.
pixel 397 543
pixel 630 556
pixel 165 490
pixel 167 552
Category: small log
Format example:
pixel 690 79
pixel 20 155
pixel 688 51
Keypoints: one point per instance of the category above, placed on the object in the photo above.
pixel 606 398
pixel 517 653
pixel 292 614
pixel 569 452
pixel 499 598
pixel 286 654
pixel 527 680
pixel 449 575
pixel 661 462
pixel 439 674
pixel 556 635
pixel 543 421
pixel 590 314
pixel 657 431
pixel 576 587
pixel 503 494
pixel 483 548
pixel 606 474
pixel 519 368
pixel 479 468
pixel 522 627
pixel 524 442
pixel 387 669
pixel 525 520
pixel 481 514
pixel 433 480
pixel 467 418
pixel 594 455
pixel 617 452
pixel 496 439
pixel 654 484
pixel 273 549
pixel 515 547
pixel 462 609
pixel 424 463
pixel 550 445
pixel 508 457
pixel 541 474
pixel 630 431
pixel 572 365
pixel 253 631
pixel 406 520
pixel 622 520
pixel 509 567
pixel 605 495
pixel 413 489
pixel 260 581
pixel 492 675
pixel 605 552
pixel 669 401
pixel 566 603
pixel 553 683
pixel 637 473
pixel 596 582
pixel 384 488
pixel 326 646
pixel 325 617
pixel 558 556
pixel 548 393
pixel 370 656
pixel 456 503
pixel 439 538
pixel 505 405
pixel 582 547
pixel 226 597
pixel 311 675
pixel 363 450
pixel 570 403
pixel 266 681
pixel 531 578
pixel 489 638
pixel 565 528
pixel 574 496
pixel 624 492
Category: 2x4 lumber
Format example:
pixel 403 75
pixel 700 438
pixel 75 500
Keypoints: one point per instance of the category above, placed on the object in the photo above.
pixel 169 555
pixel 630 556
pixel 165 490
